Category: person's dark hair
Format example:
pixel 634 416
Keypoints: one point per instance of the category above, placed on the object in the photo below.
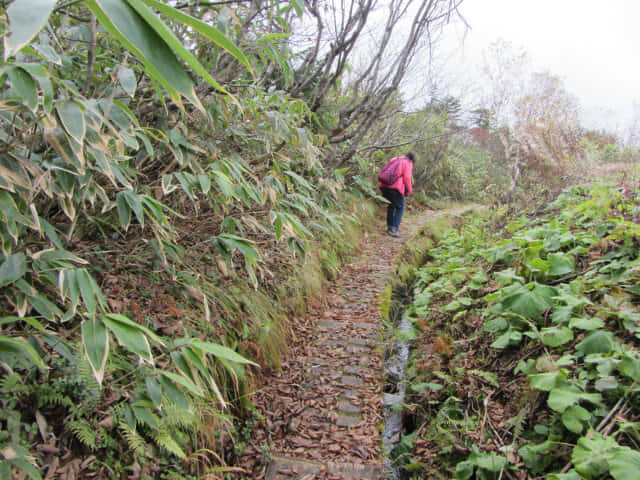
pixel 410 156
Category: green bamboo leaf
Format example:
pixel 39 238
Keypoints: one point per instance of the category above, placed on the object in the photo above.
pixel 69 286
pixel 180 380
pixel 21 459
pixel 176 45
pixel 129 337
pixel 12 347
pixel 126 202
pixel 230 242
pixel 72 118
pixel 95 339
pixel 26 19
pixel 173 393
pixel 128 81
pixel 124 210
pixel 221 351
pixel 25 85
pixel 127 321
pixel 205 183
pixel 133 31
pixel 89 290
pixel 154 388
pixel 13 268
pixel 209 31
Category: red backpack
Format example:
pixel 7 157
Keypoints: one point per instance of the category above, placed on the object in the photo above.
pixel 391 171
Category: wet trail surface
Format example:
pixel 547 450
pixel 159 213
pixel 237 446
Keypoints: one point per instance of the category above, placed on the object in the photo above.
pixel 323 410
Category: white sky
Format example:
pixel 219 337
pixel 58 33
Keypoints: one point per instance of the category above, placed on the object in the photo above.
pixel 593 45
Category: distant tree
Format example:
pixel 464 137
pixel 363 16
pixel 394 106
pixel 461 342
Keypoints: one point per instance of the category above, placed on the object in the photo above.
pixel 533 119
pixel 340 31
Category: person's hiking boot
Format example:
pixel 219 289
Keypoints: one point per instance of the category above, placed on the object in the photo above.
pixel 394 233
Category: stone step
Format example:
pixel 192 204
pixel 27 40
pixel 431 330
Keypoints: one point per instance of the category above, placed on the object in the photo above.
pixel 284 468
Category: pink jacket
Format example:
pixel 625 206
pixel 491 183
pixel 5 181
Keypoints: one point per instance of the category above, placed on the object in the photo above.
pixel 403 183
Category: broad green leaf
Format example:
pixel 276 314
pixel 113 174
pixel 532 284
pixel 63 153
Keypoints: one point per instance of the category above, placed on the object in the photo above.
pixel 221 351
pixel 625 464
pixel 72 117
pixel 563 397
pixel 630 367
pixel 549 380
pixel 560 264
pixel 606 383
pixel 134 32
pixel 26 19
pixel 586 323
pixel 96 345
pixel 209 31
pixel 510 337
pixel 538 265
pixel 596 342
pixel 12 347
pixel 528 300
pixel 556 336
pixel 421 387
pixel 13 268
pixel 130 337
pixel 592 454
pixel 491 462
pixel 570 475
pixel 25 85
pixel 573 418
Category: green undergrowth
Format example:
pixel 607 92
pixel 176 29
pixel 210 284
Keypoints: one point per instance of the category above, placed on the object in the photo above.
pixel 414 253
pixel 525 359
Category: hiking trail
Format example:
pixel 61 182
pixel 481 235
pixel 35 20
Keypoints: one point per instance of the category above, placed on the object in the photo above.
pixel 323 409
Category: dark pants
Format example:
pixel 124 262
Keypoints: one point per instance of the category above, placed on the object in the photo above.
pixel 395 208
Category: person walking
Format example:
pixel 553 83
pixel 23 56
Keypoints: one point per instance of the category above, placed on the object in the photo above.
pixel 395 185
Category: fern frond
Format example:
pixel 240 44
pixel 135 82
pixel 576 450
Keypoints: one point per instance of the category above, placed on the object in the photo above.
pixel 135 441
pixel 9 382
pixel 168 443
pixel 175 416
pixel 54 398
pixel 84 433
pixel 517 423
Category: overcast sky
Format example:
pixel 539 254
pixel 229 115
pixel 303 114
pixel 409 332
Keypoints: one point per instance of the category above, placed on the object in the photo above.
pixel 593 45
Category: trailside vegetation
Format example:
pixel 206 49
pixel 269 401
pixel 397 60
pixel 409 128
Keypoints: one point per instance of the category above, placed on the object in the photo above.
pixel 525 357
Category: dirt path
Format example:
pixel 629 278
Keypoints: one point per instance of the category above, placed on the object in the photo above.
pixel 323 411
